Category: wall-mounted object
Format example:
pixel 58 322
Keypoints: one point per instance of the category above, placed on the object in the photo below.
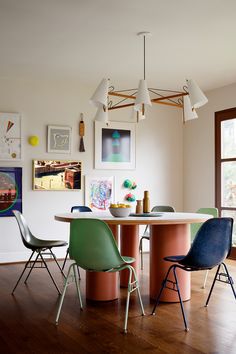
pixel 130 197
pixel 115 145
pixel 129 184
pixel 59 139
pixel 99 192
pixel 56 175
pixel 10 136
pixel 10 190
pixel 81 133
pixel 33 140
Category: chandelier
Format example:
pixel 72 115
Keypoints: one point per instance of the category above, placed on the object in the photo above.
pixel 188 100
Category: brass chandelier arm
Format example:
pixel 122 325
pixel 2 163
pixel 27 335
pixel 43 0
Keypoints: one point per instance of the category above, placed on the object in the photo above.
pixel 120 106
pixel 117 94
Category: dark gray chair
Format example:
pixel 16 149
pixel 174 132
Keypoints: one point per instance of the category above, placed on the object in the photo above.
pixel 146 236
pixel 211 246
pixel 38 247
pixel 76 209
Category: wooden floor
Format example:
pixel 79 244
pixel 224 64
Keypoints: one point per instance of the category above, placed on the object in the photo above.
pixel 27 319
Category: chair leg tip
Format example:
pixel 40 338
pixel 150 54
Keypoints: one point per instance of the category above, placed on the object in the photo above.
pixel 153 313
pixel 186 329
pixel 125 331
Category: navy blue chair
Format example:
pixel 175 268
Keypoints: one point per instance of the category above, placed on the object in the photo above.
pixel 76 209
pixel 209 249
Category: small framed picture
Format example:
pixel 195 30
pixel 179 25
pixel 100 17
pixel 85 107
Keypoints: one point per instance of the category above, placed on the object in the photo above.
pixel 10 190
pixel 59 139
pixel 10 136
pixel 99 192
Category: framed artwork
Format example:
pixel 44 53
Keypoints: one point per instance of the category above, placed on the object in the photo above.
pixel 56 175
pixel 59 139
pixel 99 192
pixel 10 136
pixel 114 145
pixel 10 190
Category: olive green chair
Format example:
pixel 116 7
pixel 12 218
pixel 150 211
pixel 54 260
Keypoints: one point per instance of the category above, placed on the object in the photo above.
pixel 146 236
pixel 93 248
pixel 195 227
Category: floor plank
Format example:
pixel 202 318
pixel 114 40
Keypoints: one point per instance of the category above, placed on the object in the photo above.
pixel 27 319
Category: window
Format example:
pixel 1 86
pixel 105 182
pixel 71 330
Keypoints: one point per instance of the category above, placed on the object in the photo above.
pixel 225 165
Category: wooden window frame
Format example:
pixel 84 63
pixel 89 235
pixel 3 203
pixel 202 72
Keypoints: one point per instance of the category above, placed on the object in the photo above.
pixel 220 117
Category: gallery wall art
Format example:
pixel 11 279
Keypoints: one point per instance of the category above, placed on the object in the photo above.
pixel 10 190
pixel 57 175
pixel 114 145
pixel 10 136
pixel 59 139
pixel 99 192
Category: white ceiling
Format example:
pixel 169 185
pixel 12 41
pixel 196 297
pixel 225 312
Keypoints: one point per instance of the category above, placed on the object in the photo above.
pixel 92 39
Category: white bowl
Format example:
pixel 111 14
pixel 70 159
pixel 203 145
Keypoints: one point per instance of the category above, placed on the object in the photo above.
pixel 120 212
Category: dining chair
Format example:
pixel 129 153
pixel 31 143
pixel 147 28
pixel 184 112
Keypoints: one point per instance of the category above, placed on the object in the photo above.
pixel 39 247
pixel 93 248
pixel 146 234
pixel 195 227
pixel 209 249
pixel 76 209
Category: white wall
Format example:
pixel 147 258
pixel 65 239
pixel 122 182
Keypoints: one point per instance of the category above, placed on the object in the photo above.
pixel 199 150
pixel 159 149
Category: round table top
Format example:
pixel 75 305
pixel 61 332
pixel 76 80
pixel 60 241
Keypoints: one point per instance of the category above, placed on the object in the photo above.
pixel 161 219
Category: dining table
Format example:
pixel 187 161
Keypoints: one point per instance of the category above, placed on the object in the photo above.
pixel 169 235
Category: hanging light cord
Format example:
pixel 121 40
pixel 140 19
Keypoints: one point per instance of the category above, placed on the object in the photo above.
pixel 144 57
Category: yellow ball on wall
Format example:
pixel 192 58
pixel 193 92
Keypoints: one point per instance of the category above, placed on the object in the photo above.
pixel 33 140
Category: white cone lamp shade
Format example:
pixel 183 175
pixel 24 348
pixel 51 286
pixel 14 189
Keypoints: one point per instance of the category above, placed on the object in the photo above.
pixel 197 97
pixel 189 113
pixel 142 96
pixel 102 114
pixel 99 97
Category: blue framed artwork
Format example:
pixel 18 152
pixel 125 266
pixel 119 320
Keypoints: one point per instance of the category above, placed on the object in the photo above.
pixel 10 190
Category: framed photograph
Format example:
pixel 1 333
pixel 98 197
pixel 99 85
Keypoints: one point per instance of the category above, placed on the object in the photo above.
pixel 59 139
pixel 114 145
pixel 56 175
pixel 99 192
pixel 10 190
pixel 10 136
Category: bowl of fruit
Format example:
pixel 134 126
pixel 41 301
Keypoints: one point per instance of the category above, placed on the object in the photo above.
pixel 120 210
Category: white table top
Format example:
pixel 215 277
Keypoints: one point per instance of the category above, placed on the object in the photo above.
pixel 164 218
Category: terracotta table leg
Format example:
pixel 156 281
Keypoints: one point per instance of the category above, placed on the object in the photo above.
pixel 102 286
pixel 167 240
pixel 129 245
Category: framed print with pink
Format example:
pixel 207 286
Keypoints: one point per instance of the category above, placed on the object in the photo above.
pixel 99 192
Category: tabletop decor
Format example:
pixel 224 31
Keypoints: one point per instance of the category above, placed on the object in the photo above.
pixel 56 175
pixel 114 145
pixel 10 190
pixel 99 192
pixel 10 136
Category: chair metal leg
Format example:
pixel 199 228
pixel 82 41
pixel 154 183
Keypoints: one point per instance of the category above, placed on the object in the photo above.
pixel 77 286
pixel 205 279
pixel 180 300
pixel 25 267
pixel 229 279
pixel 49 272
pixel 64 263
pixel 160 292
pixel 63 294
pixel 55 259
pixel 31 268
pixel 213 284
pixel 138 290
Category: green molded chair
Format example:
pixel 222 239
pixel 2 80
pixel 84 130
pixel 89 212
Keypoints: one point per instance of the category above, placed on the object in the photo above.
pixel 195 227
pixel 93 248
pixel 146 236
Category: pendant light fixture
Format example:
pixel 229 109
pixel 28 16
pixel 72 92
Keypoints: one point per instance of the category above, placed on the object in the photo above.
pixel 188 100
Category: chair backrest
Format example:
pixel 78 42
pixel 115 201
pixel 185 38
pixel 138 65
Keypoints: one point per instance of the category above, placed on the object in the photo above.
pixel 195 227
pixel 26 235
pixel 159 208
pixel 163 208
pixel 80 209
pixel 211 245
pixel 93 246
